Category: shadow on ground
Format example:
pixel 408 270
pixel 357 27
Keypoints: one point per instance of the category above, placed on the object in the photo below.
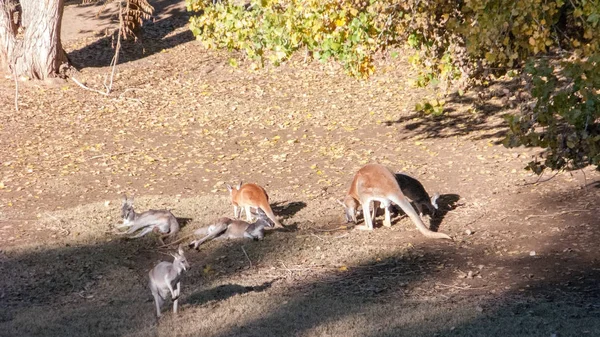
pixel 464 115
pixel 168 17
pixel 223 292
pixel 287 209
pixel 412 290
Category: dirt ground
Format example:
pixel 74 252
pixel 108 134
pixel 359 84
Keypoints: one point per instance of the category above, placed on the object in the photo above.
pixel 181 123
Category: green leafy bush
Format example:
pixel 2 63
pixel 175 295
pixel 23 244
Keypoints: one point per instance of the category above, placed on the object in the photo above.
pixel 452 40
pixel 566 115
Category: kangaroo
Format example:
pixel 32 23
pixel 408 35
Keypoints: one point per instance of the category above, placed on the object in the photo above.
pixel 375 182
pixel 248 196
pixel 414 190
pixel 162 222
pixel 227 228
pixel 165 277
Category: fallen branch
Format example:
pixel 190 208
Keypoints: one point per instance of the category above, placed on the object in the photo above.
pixel 557 213
pixel 458 287
pixel 176 241
pixel 113 62
pixel 87 88
pixel 247 257
pixel 543 181
pixel 320 238
pixel 340 228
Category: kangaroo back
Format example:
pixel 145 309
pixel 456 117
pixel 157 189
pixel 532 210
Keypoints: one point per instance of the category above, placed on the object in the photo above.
pixel 211 232
pixel 414 190
pixel 374 182
pixel 252 195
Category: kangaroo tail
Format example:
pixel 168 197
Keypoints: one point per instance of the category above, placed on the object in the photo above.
pixel 271 216
pixel 410 211
pixel 212 232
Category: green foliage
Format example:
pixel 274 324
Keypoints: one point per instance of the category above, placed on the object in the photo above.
pixel 273 30
pixel 466 40
pixel 566 117
pixel 433 107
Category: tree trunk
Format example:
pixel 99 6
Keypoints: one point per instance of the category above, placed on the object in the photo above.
pixel 38 54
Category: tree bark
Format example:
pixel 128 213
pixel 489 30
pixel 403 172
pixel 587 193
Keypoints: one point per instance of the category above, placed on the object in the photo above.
pixel 8 31
pixel 38 54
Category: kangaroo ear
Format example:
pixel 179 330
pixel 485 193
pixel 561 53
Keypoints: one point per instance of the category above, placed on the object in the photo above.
pixel 229 188
pixel 180 250
pixel 239 185
pixel 124 199
pixel 434 200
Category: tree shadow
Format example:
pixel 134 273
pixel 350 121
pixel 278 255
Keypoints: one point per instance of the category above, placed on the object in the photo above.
pixel 446 203
pixel 461 121
pixel 101 289
pixel 156 36
pixel 595 184
pixel 223 292
pixel 338 295
pixel 287 209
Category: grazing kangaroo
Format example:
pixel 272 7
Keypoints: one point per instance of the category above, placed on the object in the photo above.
pixel 165 278
pixel 248 196
pixel 375 182
pixel 414 190
pixel 227 228
pixel 162 222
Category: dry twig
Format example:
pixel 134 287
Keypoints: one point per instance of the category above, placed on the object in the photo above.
pixel 458 287
pixel 557 213
pixel 247 257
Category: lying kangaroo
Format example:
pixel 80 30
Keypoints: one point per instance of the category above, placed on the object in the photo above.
pixel 248 196
pixel 227 228
pixel 375 182
pixel 162 222
pixel 165 278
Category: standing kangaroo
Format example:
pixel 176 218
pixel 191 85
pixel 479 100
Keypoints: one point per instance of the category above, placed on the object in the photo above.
pixel 375 182
pixel 248 196
pixel 414 190
pixel 162 222
pixel 165 279
pixel 226 228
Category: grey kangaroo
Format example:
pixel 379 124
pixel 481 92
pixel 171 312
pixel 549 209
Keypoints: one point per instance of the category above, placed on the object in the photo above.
pixel 162 222
pixel 226 228
pixel 165 278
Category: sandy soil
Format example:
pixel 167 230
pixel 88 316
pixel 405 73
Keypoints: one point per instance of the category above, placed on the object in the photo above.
pixel 181 123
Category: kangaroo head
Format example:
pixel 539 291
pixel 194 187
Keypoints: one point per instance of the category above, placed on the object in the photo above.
pixel 263 219
pixel 127 212
pixel 233 190
pixel 350 206
pixel 180 259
